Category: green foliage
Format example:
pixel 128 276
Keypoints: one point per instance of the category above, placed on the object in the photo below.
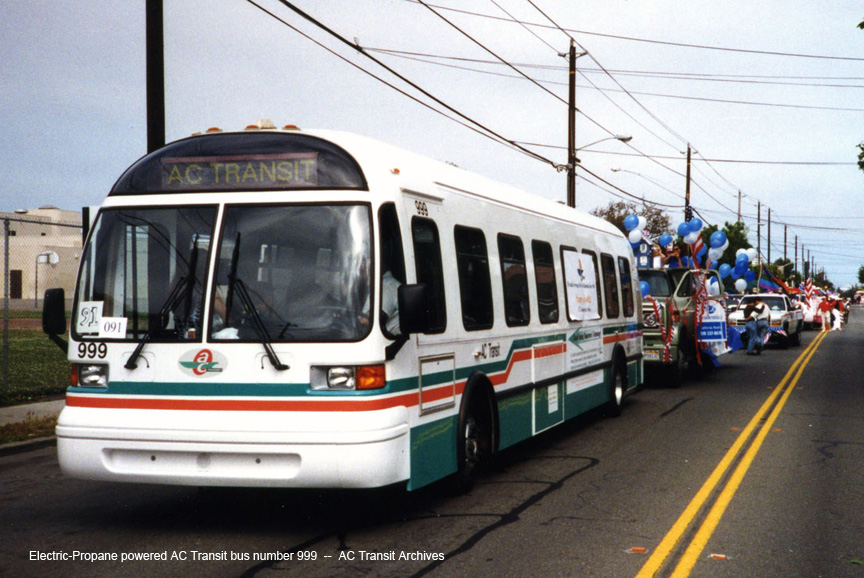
pixel 861 156
pixel 861 275
pixel 37 367
pixel 615 212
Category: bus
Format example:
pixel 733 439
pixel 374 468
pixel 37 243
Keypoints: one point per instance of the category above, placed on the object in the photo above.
pixel 297 308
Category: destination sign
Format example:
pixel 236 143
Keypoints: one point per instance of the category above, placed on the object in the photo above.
pixel 241 172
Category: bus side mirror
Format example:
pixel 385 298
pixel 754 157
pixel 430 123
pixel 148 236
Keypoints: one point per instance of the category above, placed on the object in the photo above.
pixel 414 308
pixel 54 317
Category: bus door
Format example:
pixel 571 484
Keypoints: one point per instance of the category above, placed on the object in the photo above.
pixel 436 359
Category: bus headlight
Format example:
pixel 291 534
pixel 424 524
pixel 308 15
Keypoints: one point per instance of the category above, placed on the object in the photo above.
pixel 348 377
pixel 90 375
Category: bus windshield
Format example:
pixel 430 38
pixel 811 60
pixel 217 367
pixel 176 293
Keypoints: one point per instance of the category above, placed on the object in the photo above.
pixel 300 272
pixel 143 274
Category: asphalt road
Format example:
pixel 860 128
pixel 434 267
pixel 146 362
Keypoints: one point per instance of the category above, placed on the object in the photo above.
pixel 756 469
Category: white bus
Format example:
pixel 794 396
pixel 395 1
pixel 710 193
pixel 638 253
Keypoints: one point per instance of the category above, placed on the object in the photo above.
pixel 292 308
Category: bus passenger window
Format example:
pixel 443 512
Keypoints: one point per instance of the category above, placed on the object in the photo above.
pixel 427 258
pixel 597 285
pixel 511 253
pixel 392 268
pixel 626 286
pixel 475 288
pixel 544 275
pixel 610 286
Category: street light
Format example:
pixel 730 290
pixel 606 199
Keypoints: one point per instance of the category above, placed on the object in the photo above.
pixel 572 161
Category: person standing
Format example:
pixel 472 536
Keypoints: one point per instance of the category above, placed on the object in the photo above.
pixel 825 313
pixel 756 314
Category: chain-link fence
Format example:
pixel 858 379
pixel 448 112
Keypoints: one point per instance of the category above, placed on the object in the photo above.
pixel 40 249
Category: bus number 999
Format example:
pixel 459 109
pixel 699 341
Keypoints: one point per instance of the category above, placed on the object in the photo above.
pixel 92 350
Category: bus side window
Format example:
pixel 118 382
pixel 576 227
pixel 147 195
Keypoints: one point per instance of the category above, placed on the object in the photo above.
pixel 427 258
pixel 544 276
pixel 392 268
pixel 475 288
pixel 511 253
pixel 597 285
pixel 610 286
pixel 626 286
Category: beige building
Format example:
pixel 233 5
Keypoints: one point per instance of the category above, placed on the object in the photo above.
pixel 44 249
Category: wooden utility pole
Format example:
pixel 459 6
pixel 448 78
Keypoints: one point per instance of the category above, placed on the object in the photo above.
pixel 688 212
pixel 155 76
pixel 759 228
pixel 571 131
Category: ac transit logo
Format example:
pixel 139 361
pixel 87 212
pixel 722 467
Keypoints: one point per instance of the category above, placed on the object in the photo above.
pixel 202 362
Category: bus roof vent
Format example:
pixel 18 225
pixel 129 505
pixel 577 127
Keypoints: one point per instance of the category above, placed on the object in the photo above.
pixel 261 124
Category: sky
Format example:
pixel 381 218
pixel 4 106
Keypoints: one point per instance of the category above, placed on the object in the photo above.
pixel 767 94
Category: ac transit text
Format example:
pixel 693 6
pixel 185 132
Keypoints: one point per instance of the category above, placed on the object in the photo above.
pixel 182 555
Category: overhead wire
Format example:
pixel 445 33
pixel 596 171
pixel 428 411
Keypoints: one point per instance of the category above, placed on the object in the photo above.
pixel 480 127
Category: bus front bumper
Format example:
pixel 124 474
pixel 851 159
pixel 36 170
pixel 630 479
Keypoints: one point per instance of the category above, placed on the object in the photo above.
pixel 363 450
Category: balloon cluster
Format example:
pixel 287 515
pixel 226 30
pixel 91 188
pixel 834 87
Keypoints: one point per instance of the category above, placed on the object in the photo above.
pixel 741 272
pixel 636 227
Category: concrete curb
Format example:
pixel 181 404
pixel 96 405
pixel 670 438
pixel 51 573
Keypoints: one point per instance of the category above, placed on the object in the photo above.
pixel 27 446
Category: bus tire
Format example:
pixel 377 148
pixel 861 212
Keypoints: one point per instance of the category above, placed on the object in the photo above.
pixel 475 438
pixel 617 386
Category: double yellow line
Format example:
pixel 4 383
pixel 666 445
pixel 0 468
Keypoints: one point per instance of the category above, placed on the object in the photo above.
pixel 700 539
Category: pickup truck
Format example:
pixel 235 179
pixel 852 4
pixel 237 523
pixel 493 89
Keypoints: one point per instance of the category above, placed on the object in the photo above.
pixel 669 319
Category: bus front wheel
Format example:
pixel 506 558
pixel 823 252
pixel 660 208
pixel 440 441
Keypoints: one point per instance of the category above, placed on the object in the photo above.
pixel 474 440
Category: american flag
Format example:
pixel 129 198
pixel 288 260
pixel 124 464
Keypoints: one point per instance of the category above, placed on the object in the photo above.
pixel 696 248
pixel 808 288
pixel 688 213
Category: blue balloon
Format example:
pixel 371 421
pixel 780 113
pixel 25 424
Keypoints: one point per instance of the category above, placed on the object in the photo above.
pixel 736 274
pixel 724 270
pixel 718 239
pixel 684 229
pixel 645 288
pixel 696 224
pixel 665 240
pixel 742 258
pixel 631 222
pixel 750 275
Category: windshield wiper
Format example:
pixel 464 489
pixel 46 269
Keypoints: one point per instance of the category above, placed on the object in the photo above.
pixel 235 284
pixel 182 290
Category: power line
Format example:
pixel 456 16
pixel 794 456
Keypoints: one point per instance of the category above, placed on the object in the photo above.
pixel 660 42
pixel 489 133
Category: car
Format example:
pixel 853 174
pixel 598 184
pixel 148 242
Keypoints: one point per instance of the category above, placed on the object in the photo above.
pixel 732 300
pixel 670 314
pixel 786 318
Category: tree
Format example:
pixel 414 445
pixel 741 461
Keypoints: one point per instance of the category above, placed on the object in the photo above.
pixel 861 274
pixel 615 212
pixel 736 234
pixel 861 156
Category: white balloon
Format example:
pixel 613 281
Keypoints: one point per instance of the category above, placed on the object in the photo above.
pixel 725 246
pixel 691 237
pixel 740 285
pixel 643 222
pixel 635 235
pixel 752 253
pixel 739 251
pixel 714 254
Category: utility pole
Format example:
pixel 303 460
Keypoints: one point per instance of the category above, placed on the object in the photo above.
pixel 759 228
pixel 155 76
pixel 571 131
pixel 688 212
pixel 796 253
pixel 739 205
